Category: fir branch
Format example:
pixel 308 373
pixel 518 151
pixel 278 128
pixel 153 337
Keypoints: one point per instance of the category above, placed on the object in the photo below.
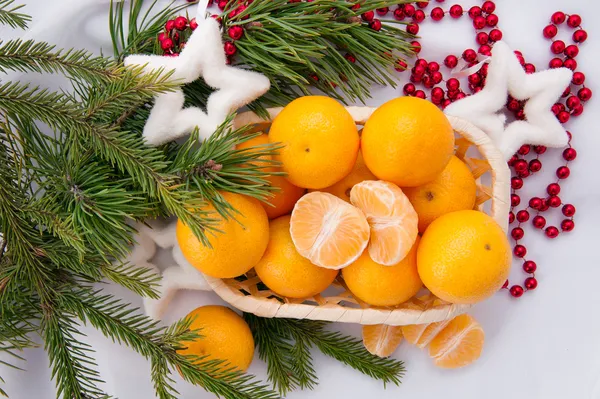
pixel 25 56
pixel 11 16
pixel 140 280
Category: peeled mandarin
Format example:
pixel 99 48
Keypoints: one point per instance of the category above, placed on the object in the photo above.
pixel 320 141
pixel 328 231
pixel 459 344
pixel 392 219
pixel 285 271
pixel 380 285
pixel 407 141
pixel 464 257
pixel 237 247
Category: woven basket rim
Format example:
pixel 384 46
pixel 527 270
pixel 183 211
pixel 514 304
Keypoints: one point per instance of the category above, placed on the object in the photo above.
pixel 270 307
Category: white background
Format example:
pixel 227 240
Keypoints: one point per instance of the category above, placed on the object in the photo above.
pixel 543 345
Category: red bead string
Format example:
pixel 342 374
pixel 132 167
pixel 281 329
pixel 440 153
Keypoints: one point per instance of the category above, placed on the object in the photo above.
pixel 429 75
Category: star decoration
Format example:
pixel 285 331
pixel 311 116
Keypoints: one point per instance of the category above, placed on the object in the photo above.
pixel 541 90
pixel 203 56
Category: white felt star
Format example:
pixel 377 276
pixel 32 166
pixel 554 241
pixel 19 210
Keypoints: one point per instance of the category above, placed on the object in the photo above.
pixel 541 89
pixel 202 56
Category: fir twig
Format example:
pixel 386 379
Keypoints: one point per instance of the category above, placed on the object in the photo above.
pixel 140 280
pixel 11 16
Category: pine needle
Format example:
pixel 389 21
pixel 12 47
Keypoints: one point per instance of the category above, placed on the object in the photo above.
pixel 11 16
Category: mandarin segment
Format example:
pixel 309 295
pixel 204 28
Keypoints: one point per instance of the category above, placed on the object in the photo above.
pixel 381 340
pixel 392 219
pixel 459 344
pixel 284 271
pixel 328 231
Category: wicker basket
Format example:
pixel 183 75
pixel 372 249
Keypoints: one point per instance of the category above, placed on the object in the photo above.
pixel 492 174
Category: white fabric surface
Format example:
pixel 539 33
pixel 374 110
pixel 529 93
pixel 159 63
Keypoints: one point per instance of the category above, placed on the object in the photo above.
pixel 543 345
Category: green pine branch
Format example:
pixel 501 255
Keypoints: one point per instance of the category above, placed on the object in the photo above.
pixel 11 16
pixel 140 280
pixel 32 56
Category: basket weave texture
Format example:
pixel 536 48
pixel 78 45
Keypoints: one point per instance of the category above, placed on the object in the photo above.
pixel 491 172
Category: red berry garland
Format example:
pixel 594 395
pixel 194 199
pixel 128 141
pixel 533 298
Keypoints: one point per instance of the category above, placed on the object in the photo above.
pixel 570 105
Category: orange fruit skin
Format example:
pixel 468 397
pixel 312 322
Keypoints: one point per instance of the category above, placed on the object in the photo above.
pixel 283 200
pixel 285 271
pixel 320 141
pixel 238 246
pixel 459 344
pixel 380 285
pixel 225 336
pixel 381 340
pixel 407 141
pixel 328 231
pixel 359 173
pixel 392 219
pixel 464 257
pixel 452 190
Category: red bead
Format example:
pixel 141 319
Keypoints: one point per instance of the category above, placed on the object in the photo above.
pixel 460 96
pixel 230 48
pixel 513 105
pixel 524 149
pixel 409 10
pixel 558 17
pixel 491 20
pixel 399 14
pixel 569 154
pixel 469 55
pixel 580 36
pixel 420 94
pixel 488 7
pixel 555 63
pixel 162 36
pixel 563 116
pixel 535 165
pixel 557 108
pixel 482 38
pixel 474 11
pixel 584 94
pixel 428 82
pixel 418 70
pixel 400 66
pixel 240 9
pixel 511 217
pixel 166 44
pixel 522 216
pixel 544 206
pixel 181 23
pixel 437 92
pixel 578 78
pixel 351 58
pixel 563 172
pixel 368 16
pixel 169 25
pixel 521 59
pixel 355 7
pixel 521 165
pixel 529 68
pixel 485 50
pixel 570 136
pixel 554 201
pixel 538 222
pixel 570 63
pixel 409 89
pixel 531 283
pixel 505 284
pixel 495 35
pixel 422 62
pixel 436 77
pixel 446 102
pixel 516 291
pixel 484 70
pixel 568 210
pixel 451 61
pixel 456 11
pixel 433 67
pixel 415 79
pixel 375 24
pixel 517 233
pixel 535 203
pixel 416 46
pixel 553 189
pixel 539 149
pixel 551 232
pixel 520 251
pixel 529 266
pixel 235 32
pixel 515 200
pixel 571 51
pixel 574 20
pixel 413 29
pixel 419 16
pixel 422 4
pixel 516 183
pixel 550 31
pixel 557 46
pixel 452 84
pixel 512 160
pixel 578 110
pixel 567 225
pixel 222 4
pixel 193 24
pixel 437 14
pixel 573 102
pixel 479 22
pixel 474 79
pixel 383 11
